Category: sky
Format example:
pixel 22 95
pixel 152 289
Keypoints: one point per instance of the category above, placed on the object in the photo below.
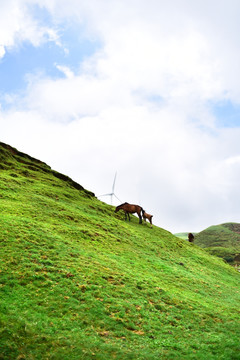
pixel 146 89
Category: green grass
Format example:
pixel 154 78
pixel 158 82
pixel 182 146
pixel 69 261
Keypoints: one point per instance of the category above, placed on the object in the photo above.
pixel 78 282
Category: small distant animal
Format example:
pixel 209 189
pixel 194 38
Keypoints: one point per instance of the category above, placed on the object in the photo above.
pixel 130 209
pixel 190 237
pixel 147 216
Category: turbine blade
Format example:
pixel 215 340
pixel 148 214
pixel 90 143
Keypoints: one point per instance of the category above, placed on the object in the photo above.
pixel 117 197
pixel 114 182
pixel 105 195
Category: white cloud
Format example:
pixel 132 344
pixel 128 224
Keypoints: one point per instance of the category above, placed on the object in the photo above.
pixel 2 51
pixel 65 70
pixel 140 105
pixel 17 26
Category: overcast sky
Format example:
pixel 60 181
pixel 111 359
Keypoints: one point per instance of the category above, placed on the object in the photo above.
pixel 149 89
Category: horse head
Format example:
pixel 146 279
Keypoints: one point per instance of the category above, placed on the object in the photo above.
pixel 119 207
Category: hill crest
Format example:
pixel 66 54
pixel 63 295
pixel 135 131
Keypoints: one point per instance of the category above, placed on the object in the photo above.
pixel 8 154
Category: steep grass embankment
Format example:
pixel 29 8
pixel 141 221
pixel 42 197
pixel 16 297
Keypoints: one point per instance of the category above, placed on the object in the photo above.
pixel 78 282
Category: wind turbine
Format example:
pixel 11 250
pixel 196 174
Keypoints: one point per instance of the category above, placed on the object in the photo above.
pixel 112 193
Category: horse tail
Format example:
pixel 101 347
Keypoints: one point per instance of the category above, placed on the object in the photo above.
pixel 143 211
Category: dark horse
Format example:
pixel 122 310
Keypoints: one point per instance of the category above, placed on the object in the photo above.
pixel 129 208
pixel 190 237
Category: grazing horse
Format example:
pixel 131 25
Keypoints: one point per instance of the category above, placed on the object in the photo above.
pixel 190 237
pixel 147 216
pixel 129 208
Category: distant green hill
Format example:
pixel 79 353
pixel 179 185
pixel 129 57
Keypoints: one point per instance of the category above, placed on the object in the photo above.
pixel 78 282
pixel 221 240
pixel 183 235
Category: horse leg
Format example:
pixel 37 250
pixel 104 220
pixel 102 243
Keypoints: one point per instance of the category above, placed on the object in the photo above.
pixel 150 220
pixel 140 218
pixel 127 215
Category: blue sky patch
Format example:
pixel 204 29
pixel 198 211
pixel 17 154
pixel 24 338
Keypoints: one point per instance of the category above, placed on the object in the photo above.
pixel 27 59
pixel 227 114
pixel 15 65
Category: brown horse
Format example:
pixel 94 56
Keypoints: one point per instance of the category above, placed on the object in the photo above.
pixel 147 216
pixel 129 208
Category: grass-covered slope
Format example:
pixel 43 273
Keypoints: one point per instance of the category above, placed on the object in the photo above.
pixel 78 282
pixel 221 240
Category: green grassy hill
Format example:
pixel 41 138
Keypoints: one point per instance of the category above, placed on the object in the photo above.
pixel 183 235
pixel 221 240
pixel 78 282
